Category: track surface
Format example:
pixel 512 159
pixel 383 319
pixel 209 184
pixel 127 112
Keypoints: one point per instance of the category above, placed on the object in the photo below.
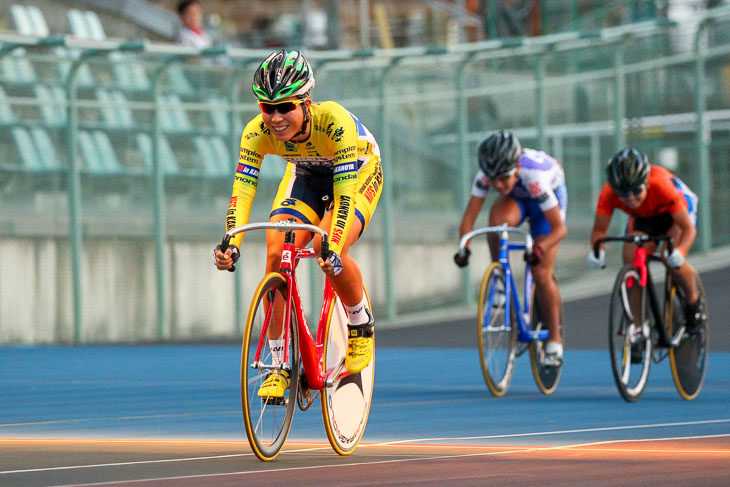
pixel 170 415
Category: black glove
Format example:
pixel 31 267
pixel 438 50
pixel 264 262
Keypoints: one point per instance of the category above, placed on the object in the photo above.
pixel 535 257
pixel 235 254
pixel 462 258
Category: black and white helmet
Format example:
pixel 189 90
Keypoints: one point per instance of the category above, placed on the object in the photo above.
pixel 281 75
pixel 627 170
pixel 499 153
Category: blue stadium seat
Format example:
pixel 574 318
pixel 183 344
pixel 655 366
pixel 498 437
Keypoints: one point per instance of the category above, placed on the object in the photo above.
pixel 144 142
pixel 7 116
pixel 29 20
pixel 97 153
pixel 114 109
pixel 52 104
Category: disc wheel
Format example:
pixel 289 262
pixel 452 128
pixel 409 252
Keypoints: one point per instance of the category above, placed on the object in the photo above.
pixel 497 342
pixel 546 377
pixel 345 405
pixel 688 359
pixel 629 339
pixel 267 419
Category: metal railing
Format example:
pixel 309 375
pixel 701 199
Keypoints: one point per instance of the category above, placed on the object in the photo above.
pixel 578 95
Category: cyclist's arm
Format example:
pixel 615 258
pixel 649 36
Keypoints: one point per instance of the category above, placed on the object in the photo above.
pixel 558 230
pixel 600 227
pixel 470 216
pixel 251 154
pixel 689 232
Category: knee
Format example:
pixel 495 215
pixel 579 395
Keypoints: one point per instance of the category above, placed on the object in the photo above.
pixel 273 260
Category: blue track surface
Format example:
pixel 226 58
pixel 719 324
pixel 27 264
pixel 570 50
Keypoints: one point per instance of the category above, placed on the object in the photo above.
pixel 421 395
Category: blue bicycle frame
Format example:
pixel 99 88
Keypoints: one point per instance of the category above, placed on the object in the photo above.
pixel 505 247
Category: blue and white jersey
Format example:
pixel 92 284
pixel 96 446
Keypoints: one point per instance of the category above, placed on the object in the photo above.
pixel 540 177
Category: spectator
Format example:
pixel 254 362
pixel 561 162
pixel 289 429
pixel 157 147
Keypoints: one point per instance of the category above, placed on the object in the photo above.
pixel 192 32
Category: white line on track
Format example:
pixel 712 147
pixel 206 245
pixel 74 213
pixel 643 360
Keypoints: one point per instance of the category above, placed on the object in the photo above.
pixel 382 462
pixel 401 442
pixel 559 432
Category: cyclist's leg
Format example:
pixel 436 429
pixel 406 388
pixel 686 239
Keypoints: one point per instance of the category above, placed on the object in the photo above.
pixel 546 288
pixel 348 284
pixel 548 293
pixel 685 275
pixel 505 209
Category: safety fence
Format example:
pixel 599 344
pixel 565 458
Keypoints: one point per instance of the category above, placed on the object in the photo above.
pixel 117 160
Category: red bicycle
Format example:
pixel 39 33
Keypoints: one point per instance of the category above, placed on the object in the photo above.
pixel 313 365
pixel 640 330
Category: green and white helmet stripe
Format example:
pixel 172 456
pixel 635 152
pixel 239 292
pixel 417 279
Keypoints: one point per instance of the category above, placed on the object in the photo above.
pixel 281 75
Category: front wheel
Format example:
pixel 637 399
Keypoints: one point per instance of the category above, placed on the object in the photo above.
pixel 629 335
pixel 546 377
pixel 689 358
pixel 497 340
pixel 268 419
pixel 345 405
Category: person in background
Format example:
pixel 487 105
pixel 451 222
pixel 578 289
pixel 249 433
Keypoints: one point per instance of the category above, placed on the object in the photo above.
pixel 531 186
pixel 658 203
pixel 192 32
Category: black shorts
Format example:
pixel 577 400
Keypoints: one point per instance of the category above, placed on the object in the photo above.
pixel 653 225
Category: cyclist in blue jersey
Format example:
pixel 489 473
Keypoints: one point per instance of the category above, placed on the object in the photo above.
pixel 531 185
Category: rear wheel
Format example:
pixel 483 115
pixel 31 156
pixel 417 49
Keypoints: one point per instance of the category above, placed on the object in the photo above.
pixel 267 419
pixel 345 405
pixel 497 341
pixel 628 338
pixel 546 377
pixel 689 358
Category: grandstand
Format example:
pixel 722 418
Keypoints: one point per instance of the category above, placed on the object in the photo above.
pixel 117 154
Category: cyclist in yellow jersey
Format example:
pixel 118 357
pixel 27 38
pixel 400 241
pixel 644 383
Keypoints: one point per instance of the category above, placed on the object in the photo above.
pixel 333 179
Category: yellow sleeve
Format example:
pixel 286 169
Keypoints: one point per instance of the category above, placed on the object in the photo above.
pixel 344 141
pixel 254 145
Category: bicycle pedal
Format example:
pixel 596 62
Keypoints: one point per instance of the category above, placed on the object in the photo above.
pixel 275 401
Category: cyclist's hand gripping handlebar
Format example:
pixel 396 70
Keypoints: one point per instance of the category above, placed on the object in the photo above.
pixel 225 243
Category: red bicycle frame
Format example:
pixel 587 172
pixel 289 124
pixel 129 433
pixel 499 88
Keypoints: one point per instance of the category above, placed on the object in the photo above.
pixel 311 351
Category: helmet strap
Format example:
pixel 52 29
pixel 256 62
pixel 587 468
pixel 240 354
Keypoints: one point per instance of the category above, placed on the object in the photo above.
pixel 305 123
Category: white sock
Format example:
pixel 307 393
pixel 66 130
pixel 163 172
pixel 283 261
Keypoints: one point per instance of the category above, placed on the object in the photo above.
pixel 356 314
pixel 554 347
pixel 277 351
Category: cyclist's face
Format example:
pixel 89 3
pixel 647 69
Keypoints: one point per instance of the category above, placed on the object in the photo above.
pixel 505 182
pixel 285 125
pixel 634 200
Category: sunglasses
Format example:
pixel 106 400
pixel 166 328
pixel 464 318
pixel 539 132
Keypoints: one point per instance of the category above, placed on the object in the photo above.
pixel 281 107
pixel 631 192
pixel 504 177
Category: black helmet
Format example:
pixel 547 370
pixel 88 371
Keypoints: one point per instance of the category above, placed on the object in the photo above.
pixel 283 74
pixel 499 153
pixel 627 171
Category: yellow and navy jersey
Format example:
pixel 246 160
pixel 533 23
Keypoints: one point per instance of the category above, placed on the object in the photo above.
pixel 338 146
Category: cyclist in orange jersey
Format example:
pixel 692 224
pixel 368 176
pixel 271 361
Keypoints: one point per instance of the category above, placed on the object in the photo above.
pixel 658 203
pixel 333 179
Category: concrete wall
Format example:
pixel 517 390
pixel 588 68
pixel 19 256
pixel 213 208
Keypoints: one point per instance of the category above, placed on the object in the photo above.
pixel 119 287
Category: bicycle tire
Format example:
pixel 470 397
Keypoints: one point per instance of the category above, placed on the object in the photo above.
pixel 630 346
pixel 497 344
pixel 546 378
pixel 345 405
pixel 267 421
pixel 688 360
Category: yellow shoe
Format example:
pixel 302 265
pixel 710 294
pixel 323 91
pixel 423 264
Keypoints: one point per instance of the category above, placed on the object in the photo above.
pixel 275 385
pixel 360 342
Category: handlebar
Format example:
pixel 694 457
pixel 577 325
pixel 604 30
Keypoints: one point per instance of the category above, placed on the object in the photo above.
pixel 495 229
pixel 281 226
pixel 638 240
